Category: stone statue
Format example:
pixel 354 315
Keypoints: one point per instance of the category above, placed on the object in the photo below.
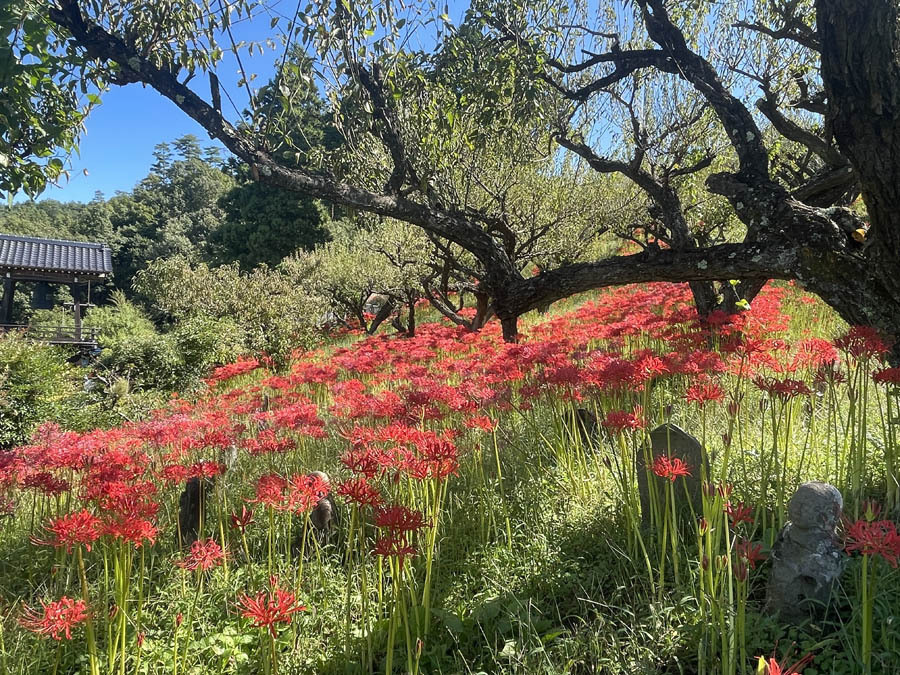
pixel 807 557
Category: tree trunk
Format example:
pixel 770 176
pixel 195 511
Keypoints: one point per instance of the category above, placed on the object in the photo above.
pixel 510 327
pixel 383 313
pixel 482 310
pixel 861 72
pixel 411 324
pixel 705 298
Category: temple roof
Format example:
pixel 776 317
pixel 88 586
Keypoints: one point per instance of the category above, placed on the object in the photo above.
pixel 58 256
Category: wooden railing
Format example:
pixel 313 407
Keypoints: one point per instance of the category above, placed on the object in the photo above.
pixel 56 335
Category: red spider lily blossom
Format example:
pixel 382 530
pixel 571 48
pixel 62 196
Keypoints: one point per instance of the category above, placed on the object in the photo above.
pixel 304 492
pixel 878 538
pixel 704 392
pixel 239 367
pixel 771 667
pixel 206 470
pixel 394 546
pixel 670 468
pixel 80 527
pixel 482 422
pixel 863 342
pixel 46 482
pixel 783 389
pixel 270 607
pixel 739 513
pixel 131 529
pixel 399 519
pixel 269 491
pixel 829 374
pixel 870 509
pixel 435 458
pixel 204 555
pixel 55 619
pixel 620 420
pixel 242 520
pixel 748 552
pixel 360 492
pixel 887 376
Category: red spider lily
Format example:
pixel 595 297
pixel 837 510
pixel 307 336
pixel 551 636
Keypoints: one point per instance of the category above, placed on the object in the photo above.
pixel 784 389
pixel 863 342
pixel 739 513
pixel 363 459
pixel 829 374
pixel 814 352
pixel 270 607
pixel 879 538
pixel 55 619
pixel 206 470
pixel 80 527
pixel 269 491
pixel 870 509
pixel 176 473
pixel 704 392
pixel 240 522
pixel 399 519
pixel 620 420
pixel 267 441
pixel 394 546
pixel 134 530
pixel 670 468
pixel 482 422
pixel 437 458
pixel 772 667
pixel 239 367
pixel 887 376
pixel 748 552
pixel 204 555
pixel 360 491
pixel 304 492
pixel 46 482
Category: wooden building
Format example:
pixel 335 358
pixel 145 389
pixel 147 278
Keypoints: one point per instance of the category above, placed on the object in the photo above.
pixel 76 264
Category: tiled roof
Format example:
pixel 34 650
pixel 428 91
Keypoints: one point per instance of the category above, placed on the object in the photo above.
pixel 54 255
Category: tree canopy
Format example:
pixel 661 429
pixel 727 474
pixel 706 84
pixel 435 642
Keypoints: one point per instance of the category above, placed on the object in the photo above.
pixel 770 116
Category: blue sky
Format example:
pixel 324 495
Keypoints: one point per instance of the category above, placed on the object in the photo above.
pixel 116 149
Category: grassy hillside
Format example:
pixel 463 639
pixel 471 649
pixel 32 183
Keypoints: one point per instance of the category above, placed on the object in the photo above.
pixel 478 527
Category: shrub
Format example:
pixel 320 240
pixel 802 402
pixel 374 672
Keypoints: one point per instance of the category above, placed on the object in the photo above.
pixel 37 385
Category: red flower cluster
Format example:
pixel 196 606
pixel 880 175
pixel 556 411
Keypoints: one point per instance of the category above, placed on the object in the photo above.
pixel 400 522
pixel 879 538
pixel 270 607
pixel 739 513
pixel 75 529
pixel 239 367
pixel 704 392
pixel 670 468
pixel 748 552
pixel 55 619
pixel 620 420
pixel 204 555
pixel 242 520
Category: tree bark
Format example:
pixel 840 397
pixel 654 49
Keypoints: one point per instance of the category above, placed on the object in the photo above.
pixel 383 313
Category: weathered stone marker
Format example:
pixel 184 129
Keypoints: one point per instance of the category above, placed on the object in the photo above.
pixel 322 515
pixel 671 440
pixel 807 556
pixel 192 510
